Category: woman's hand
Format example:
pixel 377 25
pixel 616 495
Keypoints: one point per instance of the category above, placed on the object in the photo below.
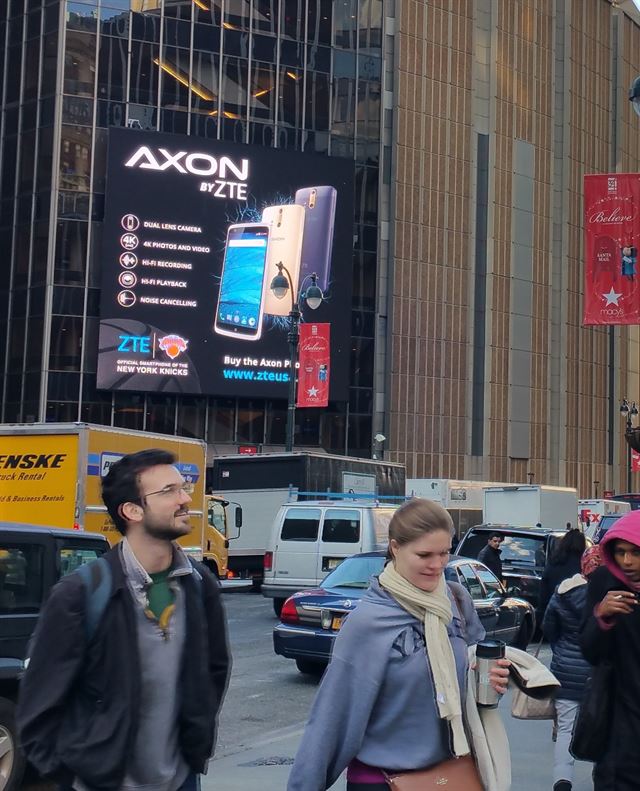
pixel 499 676
pixel 616 603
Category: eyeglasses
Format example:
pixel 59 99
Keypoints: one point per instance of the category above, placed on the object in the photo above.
pixel 172 490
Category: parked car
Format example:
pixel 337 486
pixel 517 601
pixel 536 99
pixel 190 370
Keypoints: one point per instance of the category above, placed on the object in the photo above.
pixel 32 559
pixel 310 620
pixel 605 523
pixel 525 552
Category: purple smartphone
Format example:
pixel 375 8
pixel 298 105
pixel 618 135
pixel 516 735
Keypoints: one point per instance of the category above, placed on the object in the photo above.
pixel 317 242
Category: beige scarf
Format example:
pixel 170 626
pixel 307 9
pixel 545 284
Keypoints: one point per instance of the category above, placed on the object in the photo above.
pixel 434 610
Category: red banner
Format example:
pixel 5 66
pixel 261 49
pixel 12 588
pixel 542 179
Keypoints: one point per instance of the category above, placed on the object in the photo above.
pixel 635 461
pixel 612 237
pixel 314 359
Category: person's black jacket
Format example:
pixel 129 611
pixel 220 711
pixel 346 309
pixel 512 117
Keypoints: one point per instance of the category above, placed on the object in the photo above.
pixel 619 770
pixel 78 703
pixel 552 576
pixel 561 626
pixel 490 556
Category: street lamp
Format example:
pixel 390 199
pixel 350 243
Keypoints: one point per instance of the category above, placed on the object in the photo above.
pixel 629 410
pixel 634 94
pixel 313 296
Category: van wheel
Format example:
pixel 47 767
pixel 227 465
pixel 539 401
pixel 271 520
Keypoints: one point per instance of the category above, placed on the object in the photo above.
pixel 310 668
pixel 525 633
pixel 278 605
pixel 12 762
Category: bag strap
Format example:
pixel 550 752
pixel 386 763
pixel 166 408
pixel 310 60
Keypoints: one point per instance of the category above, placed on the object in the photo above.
pixel 539 646
pixel 96 577
pixel 455 592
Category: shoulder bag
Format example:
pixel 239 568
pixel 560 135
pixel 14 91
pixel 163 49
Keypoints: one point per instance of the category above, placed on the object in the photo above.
pixel 527 706
pixel 592 725
pixel 457 774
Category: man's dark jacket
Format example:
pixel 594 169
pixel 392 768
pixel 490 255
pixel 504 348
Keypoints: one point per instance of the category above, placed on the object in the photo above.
pixel 490 556
pixel 79 702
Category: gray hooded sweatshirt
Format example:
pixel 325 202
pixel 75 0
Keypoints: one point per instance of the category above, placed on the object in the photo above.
pixel 376 701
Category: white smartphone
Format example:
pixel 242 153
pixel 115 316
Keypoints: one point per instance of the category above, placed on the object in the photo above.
pixel 286 229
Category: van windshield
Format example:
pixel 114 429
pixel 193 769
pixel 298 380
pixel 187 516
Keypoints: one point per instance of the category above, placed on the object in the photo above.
pixel 354 572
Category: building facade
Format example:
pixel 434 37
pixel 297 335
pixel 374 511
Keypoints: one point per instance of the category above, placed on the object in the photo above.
pixel 469 123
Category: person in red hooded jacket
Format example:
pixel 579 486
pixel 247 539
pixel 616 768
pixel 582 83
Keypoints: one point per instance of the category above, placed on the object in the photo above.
pixel 611 631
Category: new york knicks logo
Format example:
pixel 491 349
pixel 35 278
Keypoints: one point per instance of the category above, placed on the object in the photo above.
pixel 173 345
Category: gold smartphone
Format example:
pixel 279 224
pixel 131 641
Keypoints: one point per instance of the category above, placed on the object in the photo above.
pixel 286 229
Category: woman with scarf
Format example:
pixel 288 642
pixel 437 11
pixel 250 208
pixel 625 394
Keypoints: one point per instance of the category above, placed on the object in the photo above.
pixel 393 694
pixel 561 627
pixel 611 633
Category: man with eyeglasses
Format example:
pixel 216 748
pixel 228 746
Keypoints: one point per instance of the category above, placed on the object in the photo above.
pixel 490 555
pixel 134 704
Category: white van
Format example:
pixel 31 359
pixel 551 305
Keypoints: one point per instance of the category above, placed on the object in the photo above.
pixel 311 538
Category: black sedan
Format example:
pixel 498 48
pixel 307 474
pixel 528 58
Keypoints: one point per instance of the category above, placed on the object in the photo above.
pixel 310 619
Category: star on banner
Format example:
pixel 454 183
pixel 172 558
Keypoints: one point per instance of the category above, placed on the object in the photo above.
pixel 312 392
pixel 612 297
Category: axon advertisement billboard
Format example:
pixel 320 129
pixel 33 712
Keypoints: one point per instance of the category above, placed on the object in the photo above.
pixel 195 230
pixel 612 237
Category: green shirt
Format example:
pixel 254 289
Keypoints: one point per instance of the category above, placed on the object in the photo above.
pixel 160 595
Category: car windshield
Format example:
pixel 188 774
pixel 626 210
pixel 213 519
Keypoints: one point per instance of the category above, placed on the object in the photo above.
pixel 354 572
pixel 516 549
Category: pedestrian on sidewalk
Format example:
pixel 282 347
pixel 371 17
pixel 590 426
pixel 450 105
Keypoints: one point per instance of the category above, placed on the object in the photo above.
pixel 611 633
pixel 129 664
pixel 392 695
pixel 561 626
pixel 564 563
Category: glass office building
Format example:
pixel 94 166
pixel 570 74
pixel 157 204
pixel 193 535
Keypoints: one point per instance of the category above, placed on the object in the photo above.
pixel 300 75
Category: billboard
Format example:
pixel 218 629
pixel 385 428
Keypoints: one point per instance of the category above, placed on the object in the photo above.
pixel 195 231
pixel 612 236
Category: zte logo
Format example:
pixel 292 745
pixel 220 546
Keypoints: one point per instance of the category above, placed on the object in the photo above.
pixel 135 343
pixel 198 164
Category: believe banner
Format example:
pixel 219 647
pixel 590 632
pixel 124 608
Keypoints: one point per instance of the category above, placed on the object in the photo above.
pixel 612 236
pixel 314 359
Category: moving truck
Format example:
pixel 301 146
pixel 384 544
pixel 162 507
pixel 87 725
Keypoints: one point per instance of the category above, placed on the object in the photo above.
pixel 50 474
pixel 530 506
pixel 262 483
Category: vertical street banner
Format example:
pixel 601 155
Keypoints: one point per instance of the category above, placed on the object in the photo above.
pixel 612 236
pixel 314 361
pixel 635 461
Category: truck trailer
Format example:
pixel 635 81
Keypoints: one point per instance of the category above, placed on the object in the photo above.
pixel 260 484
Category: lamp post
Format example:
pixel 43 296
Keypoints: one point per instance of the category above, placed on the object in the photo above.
pixel 313 296
pixel 629 410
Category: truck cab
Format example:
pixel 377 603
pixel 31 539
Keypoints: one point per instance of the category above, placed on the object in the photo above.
pixel 215 546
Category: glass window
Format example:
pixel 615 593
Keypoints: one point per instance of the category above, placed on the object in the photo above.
pixel 27 147
pixel 112 69
pixel 265 16
pixel 344 106
pixel 79 63
pixel 234 88
pixel 359 435
pixel 491 583
pixel 204 84
pixel 211 15
pixel 471 582
pixel 345 23
pixel 81 17
pixel 319 21
pixel 292 19
pixel 263 91
pixel 143 80
pixel 276 423
pixel 222 420
pixel 317 102
pixel 128 410
pixel 216 515
pixel 161 414
pixel 368 111
pixel 191 414
pixel 236 15
pixel 290 97
pixel 66 343
pixel 301 524
pixel 75 158
pixel 355 572
pixel 362 360
pixel 145 27
pixel 20 578
pixel 366 195
pixel 31 69
pixel 250 421
pixel 341 525
pixel 333 431
pixel 71 558
pixel 175 79
pixel 71 252
pixel 63 386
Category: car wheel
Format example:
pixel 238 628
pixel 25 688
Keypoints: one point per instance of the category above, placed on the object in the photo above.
pixel 277 606
pixel 525 633
pixel 12 761
pixel 309 667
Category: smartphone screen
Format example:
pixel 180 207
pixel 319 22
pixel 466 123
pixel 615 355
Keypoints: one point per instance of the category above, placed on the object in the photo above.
pixel 240 303
pixel 285 246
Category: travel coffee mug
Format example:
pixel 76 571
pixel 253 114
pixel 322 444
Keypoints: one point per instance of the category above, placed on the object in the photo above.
pixel 487 654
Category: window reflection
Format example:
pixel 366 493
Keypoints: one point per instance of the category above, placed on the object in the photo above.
pixel 263 85
pixel 161 414
pixel 250 421
pixel 237 15
pixel 234 92
pixel 222 420
pixel 290 97
pixel 71 252
pixel 176 81
pixel 79 63
pixel 292 19
pixel 66 343
pixel 144 77
pixel 112 69
pixel 317 104
pixel 191 414
pixel 345 23
pixel 319 21
pixel 265 16
pixel 128 410
pixel 75 158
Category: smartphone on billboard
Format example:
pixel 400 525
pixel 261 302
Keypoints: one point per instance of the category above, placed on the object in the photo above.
pixel 242 283
pixel 286 226
pixel 319 204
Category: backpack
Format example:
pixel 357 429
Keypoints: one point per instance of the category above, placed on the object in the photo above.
pixel 97 579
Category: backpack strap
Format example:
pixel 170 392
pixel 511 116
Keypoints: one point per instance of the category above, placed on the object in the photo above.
pixel 96 577
pixel 456 589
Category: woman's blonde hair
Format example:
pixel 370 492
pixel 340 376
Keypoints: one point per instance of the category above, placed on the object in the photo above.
pixel 417 518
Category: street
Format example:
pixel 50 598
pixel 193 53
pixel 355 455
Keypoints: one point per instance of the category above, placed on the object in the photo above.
pixel 268 702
